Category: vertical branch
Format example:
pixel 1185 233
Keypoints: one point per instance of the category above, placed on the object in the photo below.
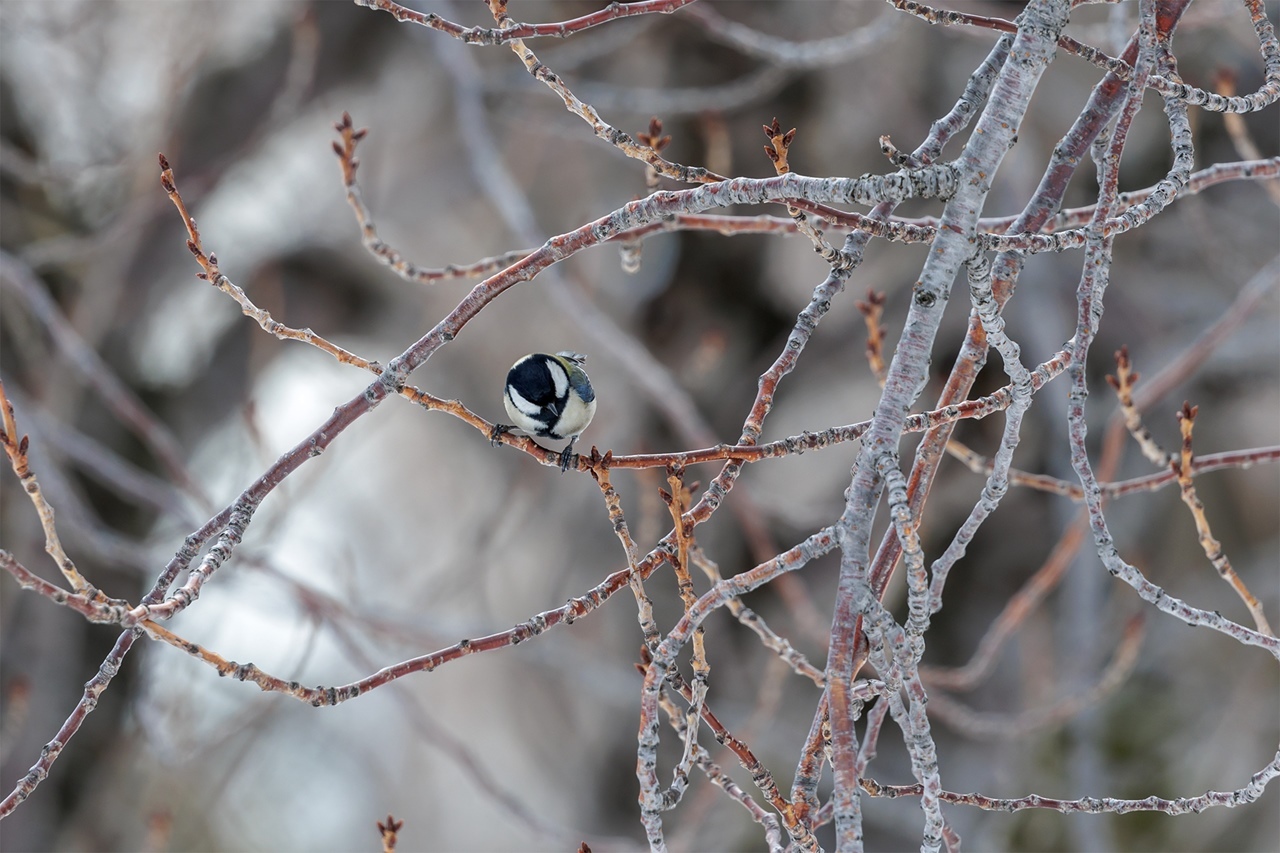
pixel 1032 51
pixel 630 249
pixel 976 91
pixel 600 471
pixel 1123 381
pixel 804 797
pixel 862 630
pixel 678 721
pixel 901 664
pixel 1212 547
pixel 1021 387
pixel 776 150
pixel 872 310
pixel 653 800
pixel 1092 286
pixel 1101 107
pixel 677 501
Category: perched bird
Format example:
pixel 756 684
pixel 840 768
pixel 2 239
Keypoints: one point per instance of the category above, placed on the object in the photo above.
pixel 549 396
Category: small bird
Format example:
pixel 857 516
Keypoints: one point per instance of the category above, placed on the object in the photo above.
pixel 550 396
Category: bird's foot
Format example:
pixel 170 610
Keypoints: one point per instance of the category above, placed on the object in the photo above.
pixel 566 455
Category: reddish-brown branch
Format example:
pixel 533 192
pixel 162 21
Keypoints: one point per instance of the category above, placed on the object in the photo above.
pixel 1182 466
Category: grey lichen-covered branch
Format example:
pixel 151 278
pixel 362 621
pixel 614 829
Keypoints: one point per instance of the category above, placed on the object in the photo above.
pixel 803 572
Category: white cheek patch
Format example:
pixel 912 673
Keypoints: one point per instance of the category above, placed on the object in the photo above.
pixel 522 405
pixel 560 378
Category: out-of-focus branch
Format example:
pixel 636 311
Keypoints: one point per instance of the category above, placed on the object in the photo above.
pixel 118 396
pixel 980 725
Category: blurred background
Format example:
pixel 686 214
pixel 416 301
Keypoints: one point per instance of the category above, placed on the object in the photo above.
pixel 411 532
